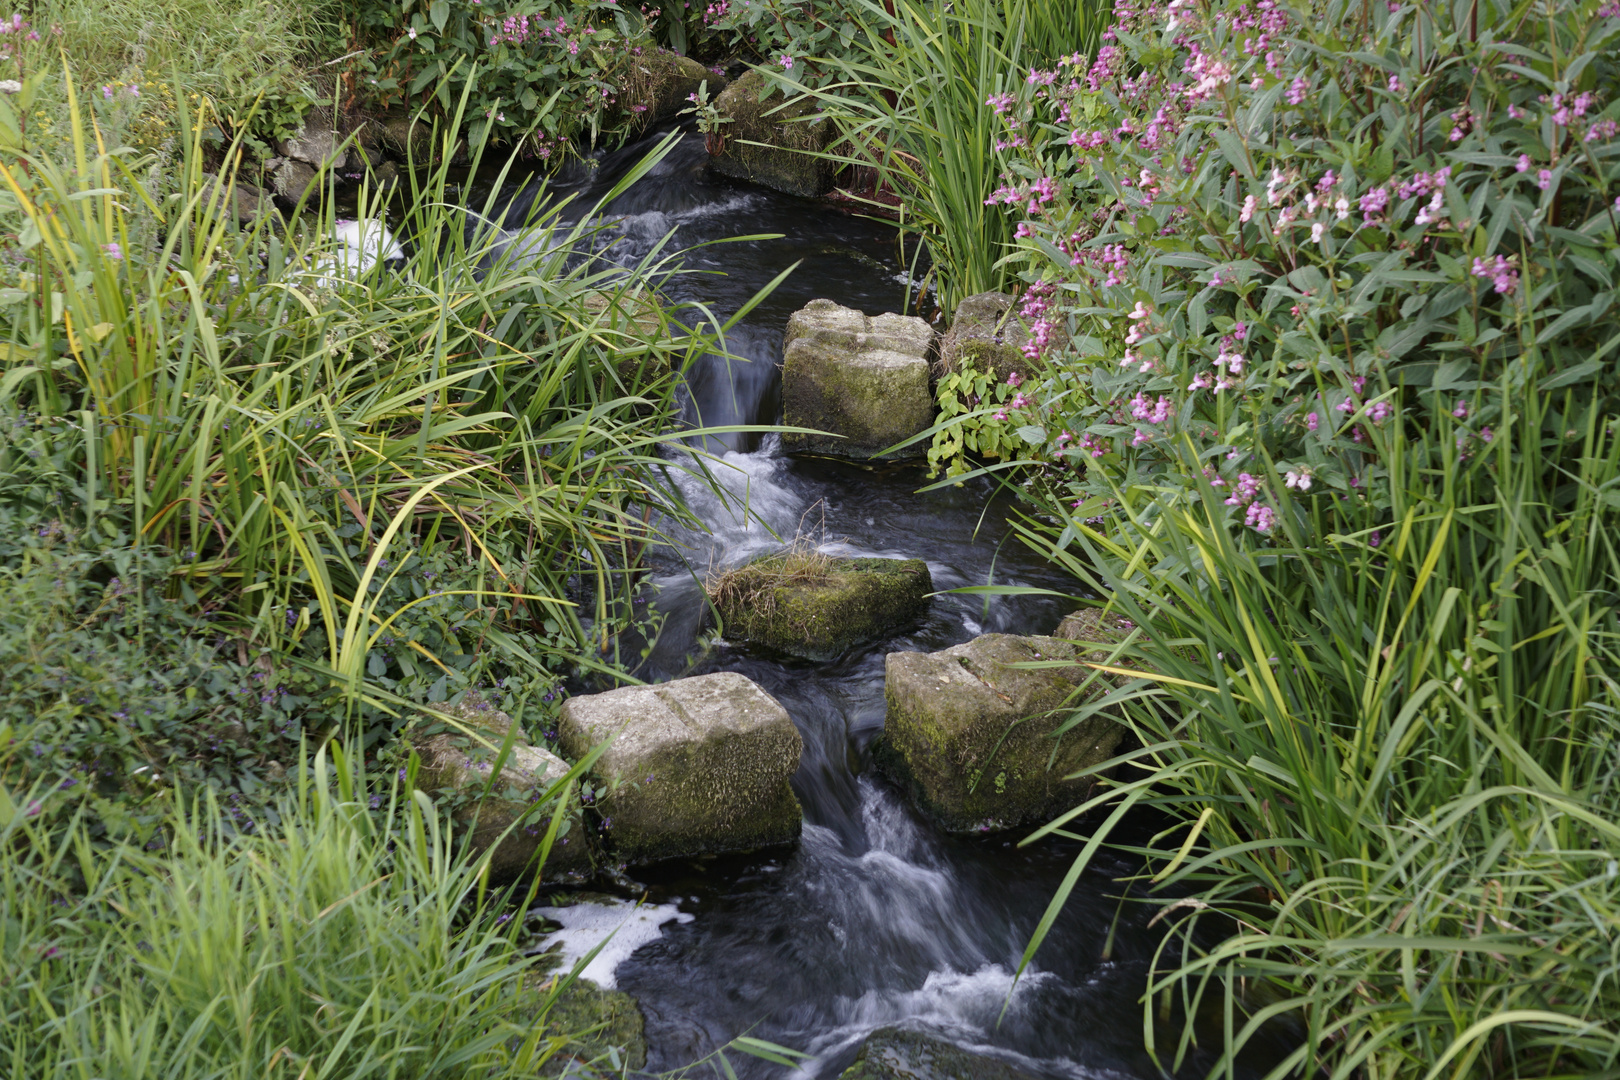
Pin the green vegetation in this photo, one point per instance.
(1336, 431)
(348, 942)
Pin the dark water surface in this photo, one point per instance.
(876, 917)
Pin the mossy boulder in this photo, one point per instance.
(773, 144)
(457, 765)
(818, 614)
(974, 736)
(987, 334)
(592, 1022)
(696, 766)
(657, 84)
(893, 1053)
(861, 379)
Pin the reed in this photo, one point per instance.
(915, 91)
(1389, 760)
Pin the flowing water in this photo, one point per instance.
(875, 917)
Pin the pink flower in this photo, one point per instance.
(786, 61)
(1504, 276)
(1249, 207)
(1461, 411)
(114, 252)
(1015, 380)
(1544, 179)
(1523, 164)
(1312, 421)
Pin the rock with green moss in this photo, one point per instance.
(790, 135)
(695, 766)
(861, 379)
(987, 334)
(973, 734)
(458, 761)
(817, 606)
(658, 83)
(901, 1054)
(595, 1025)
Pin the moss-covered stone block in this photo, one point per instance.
(900, 1054)
(773, 144)
(987, 334)
(973, 734)
(861, 379)
(658, 82)
(457, 767)
(696, 766)
(818, 615)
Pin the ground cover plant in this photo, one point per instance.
(1334, 426)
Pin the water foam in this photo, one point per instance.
(584, 926)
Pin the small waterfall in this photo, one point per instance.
(875, 918)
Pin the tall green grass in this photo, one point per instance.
(348, 942)
(225, 393)
(1389, 754)
(914, 99)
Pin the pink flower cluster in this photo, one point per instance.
(1501, 272)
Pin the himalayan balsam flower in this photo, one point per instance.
(1312, 420)
(1544, 179)
(1523, 164)
(114, 252)
(1298, 478)
(411, 33)
(1501, 272)
(786, 61)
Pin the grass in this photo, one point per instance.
(350, 941)
(1389, 763)
(752, 587)
(915, 106)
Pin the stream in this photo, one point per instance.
(876, 917)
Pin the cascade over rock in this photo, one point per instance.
(696, 766)
(863, 379)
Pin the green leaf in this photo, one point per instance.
(439, 13)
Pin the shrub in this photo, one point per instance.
(1336, 430)
(534, 75)
(1276, 258)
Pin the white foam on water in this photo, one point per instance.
(584, 926)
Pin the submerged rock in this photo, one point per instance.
(457, 768)
(817, 606)
(696, 766)
(863, 379)
(893, 1053)
(971, 735)
(988, 335)
(786, 161)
